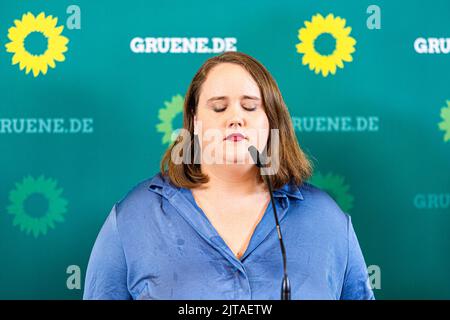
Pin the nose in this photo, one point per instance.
(236, 118)
(235, 122)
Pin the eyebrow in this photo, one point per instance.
(245, 97)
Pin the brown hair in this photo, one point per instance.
(293, 164)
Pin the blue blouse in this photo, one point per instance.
(157, 243)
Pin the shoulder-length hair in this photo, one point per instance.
(293, 164)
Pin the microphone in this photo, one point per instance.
(285, 285)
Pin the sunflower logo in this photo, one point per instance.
(44, 27)
(167, 116)
(445, 124)
(56, 207)
(329, 29)
(336, 187)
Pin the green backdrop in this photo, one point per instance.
(377, 130)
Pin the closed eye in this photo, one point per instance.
(219, 109)
(222, 109)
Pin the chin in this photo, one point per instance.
(236, 153)
(236, 158)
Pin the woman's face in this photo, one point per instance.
(230, 103)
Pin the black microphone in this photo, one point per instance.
(285, 286)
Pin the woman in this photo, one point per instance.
(203, 227)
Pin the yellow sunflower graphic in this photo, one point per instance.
(56, 43)
(343, 47)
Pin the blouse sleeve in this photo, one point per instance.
(356, 285)
(106, 275)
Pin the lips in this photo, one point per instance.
(235, 137)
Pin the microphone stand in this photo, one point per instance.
(285, 285)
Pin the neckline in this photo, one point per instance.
(256, 227)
